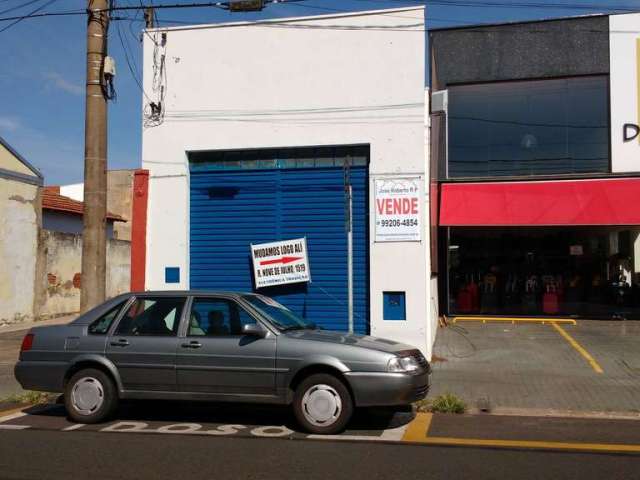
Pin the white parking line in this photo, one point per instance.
(389, 435)
(12, 416)
(73, 427)
(13, 427)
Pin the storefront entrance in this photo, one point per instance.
(591, 272)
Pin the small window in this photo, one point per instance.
(152, 316)
(217, 318)
(102, 324)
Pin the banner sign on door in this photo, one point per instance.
(397, 203)
(279, 263)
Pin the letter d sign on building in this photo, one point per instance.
(397, 204)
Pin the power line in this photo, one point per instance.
(18, 7)
(487, 3)
(45, 14)
(28, 15)
(128, 61)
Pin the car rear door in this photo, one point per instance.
(143, 344)
(215, 357)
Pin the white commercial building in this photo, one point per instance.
(288, 129)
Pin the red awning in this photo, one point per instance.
(570, 202)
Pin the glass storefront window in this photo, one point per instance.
(541, 127)
(591, 272)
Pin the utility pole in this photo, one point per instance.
(148, 17)
(94, 242)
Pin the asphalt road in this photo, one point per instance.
(9, 348)
(52, 455)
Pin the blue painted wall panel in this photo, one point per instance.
(232, 209)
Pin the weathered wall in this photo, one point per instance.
(9, 162)
(62, 253)
(69, 223)
(18, 247)
(119, 195)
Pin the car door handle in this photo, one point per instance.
(192, 344)
(120, 343)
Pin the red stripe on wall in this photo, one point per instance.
(571, 202)
(139, 229)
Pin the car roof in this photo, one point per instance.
(113, 302)
(175, 293)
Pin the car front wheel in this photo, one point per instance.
(322, 404)
(90, 396)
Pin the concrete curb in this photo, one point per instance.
(553, 413)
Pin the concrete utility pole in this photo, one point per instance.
(148, 17)
(94, 242)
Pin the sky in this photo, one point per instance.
(42, 69)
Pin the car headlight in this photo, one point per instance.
(403, 365)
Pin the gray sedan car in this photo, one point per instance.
(217, 346)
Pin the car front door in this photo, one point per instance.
(143, 344)
(215, 357)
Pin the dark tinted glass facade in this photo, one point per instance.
(590, 272)
(524, 128)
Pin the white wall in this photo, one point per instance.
(18, 250)
(281, 84)
(624, 45)
(73, 190)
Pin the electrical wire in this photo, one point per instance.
(129, 65)
(28, 15)
(45, 14)
(18, 7)
(451, 3)
(497, 4)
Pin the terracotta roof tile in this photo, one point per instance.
(52, 200)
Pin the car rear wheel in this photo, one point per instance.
(322, 404)
(90, 396)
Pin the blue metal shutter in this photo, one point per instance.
(232, 209)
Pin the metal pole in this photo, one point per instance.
(348, 193)
(94, 243)
(350, 258)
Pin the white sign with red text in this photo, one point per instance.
(279, 263)
(397, 204)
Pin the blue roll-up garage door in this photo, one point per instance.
(233, 206)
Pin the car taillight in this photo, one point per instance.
(27, 342)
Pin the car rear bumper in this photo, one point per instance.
(386, 389)
(42, 376)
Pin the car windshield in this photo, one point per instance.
(283, 318)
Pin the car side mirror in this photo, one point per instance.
(254, 330)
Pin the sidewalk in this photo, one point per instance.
(540, 369)
(10, 339)
(540, 433)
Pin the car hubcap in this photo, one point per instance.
(321, 405)
(87, 395)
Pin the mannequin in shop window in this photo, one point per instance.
(489, 295)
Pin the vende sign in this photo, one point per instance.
(397, 203)
(279, 263)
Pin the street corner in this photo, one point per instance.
(213, 421)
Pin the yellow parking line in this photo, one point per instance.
(535, 444)
(578, 347)
(569, 321)
(417, 430)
